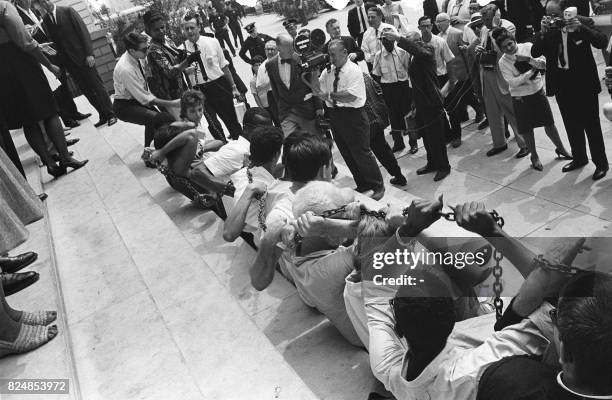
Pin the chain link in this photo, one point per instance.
(261, 200)
(204, 200)
(540, 261)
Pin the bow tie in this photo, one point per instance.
(285, 61)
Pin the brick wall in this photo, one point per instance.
(105, 60)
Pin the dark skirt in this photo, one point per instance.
(25, 95)
(532, 111)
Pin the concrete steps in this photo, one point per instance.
(148, 318)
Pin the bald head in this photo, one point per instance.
(443, 22)
(284, 43)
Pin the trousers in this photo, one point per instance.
(135, 113)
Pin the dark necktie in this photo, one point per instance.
(335, 85)
(562, 54)
(201, 64)
(362, 19)
(143, 75)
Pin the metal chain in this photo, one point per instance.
(540, 261)
(261, 199)
(204, 200)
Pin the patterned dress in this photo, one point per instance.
(166, 82)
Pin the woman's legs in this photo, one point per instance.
(529, 139)
(35, 139)
(55, 131)
(553, 135)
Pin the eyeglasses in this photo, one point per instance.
(425, 26)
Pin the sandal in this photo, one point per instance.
(39, 317)
(29, 338)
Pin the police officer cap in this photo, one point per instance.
(250, 27)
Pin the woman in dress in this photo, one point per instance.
(530, 103)
(26, 98)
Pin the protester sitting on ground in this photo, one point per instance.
(192, 110)
(444, 360)
(319, 266)
(583, 333)
(306, 157)
(256, 184)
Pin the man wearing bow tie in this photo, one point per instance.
(297, 107)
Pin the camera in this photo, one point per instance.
(555, 22)
(309, 46)
(190, 57)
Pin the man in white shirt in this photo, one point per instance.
(442, 52)
(256, 186)
(264, 90)
(416, 348)
(343, 90)
(211, 74)
(391, 65)
(133, 102)
(371, 38)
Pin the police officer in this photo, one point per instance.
(255, 44)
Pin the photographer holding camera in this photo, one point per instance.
(571, 76)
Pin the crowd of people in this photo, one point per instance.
(434, 340)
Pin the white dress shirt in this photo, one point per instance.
(456, 371)
(350, 80)
(564, 44)
(212, 58)
(262, 84)
(129, 80)
(284, 70)
(521, 84)
(442, 53)
(363, 23)
(391, 67)
(32, 16)
(370, 43)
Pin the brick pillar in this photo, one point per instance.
(105, 58)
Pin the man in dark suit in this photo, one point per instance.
(297, 107)
(526, 16)
(355, 53)
(571, 76)
(69, 33)
(67, 108)
(357, 21)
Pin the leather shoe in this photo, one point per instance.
(13, 283)
(456, 143)
(112, 121)
(101, 122)
(441, 174)
(378, 193)
(43, 196)
(72, 142)
(572, 166)
(522, 153)
(74, 164)
(10, 265)
(399, 180)
(57, 158)
(483, 124)
(398, 146)
(497, 150)
(81, 116)
(425, 170)
(71, 123)
(600, 173)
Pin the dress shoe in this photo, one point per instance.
(71, 123)
(425, 170)
(399, 180)
(72, 142)
(572, 166)
(600, 173)
(537, 165)
(480, 117)
(414, 149)
(74, 164)
(13, 283)
(57, 158)
(441, 174)
(563, 155)
(10, 265)
(112, 121)
(81, 116)
(522, 153)
(483, 124)
(150, 164)
(43, 196)
(56, 171)
(497, 150)
(456, 143)
(378, 193)
(101, 122)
